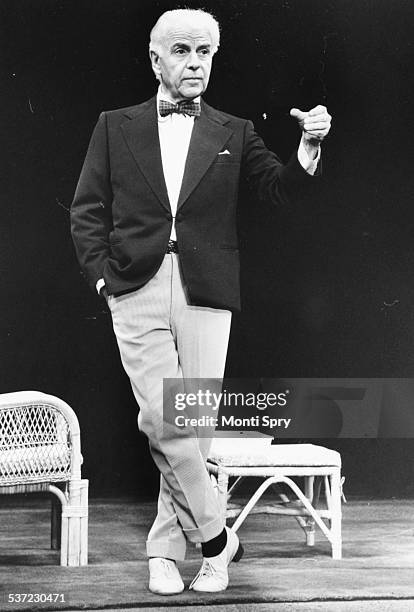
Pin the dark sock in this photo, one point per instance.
(215, 546)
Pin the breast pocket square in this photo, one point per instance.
(226, 152)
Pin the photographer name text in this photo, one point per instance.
(231, 421)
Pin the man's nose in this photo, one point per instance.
(193, 61)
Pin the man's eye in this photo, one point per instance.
(180, 51)
(204, 52)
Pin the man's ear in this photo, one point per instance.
(155, 63)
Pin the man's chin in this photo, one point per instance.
(192, 91)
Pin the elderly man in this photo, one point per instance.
(153, 222)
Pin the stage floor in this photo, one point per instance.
(278, 572)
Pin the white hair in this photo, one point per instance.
(200, 16)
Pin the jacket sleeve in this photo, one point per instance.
(267, 176)
(91, 217)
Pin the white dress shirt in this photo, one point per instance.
(174, 132)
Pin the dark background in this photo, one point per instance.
(328, 287)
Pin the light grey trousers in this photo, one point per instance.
(161, 336)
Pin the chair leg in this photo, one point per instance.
(74, 550)
(83, 554)
(55, 523)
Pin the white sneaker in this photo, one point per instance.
(165, 578)
(213, 575)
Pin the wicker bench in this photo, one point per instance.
(40, 452)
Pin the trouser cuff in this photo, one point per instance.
(166, 549)
(206, 532)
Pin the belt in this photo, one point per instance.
(172, 246)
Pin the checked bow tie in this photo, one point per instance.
(182, 108)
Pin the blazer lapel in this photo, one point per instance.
(208, 137)
(141, 135)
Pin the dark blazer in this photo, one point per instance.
(121, 218)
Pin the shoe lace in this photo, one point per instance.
(168, 567)
(206, 570)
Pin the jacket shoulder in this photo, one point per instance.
(223, 117)
(129, 111)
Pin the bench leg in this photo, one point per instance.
(336, 515)
(310, 522)
(223, 484)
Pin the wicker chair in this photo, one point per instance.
(40, 452)
(318, 466)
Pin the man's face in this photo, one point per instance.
(184, 63)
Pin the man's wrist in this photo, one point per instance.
(308, 156)
(312, 148)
